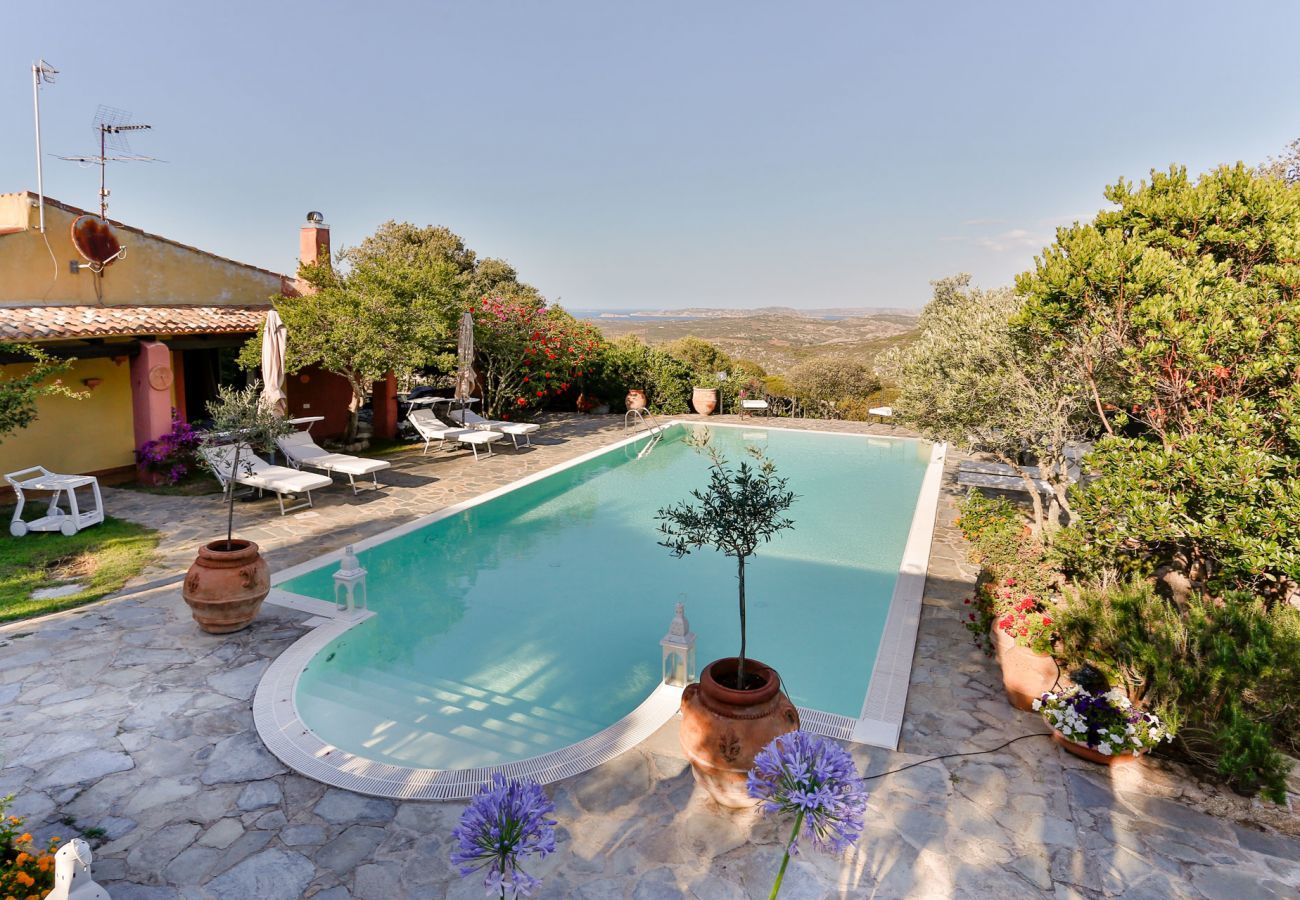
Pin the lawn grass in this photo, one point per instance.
(103, 557)
(196, 484)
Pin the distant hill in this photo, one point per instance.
(776, 341)
(706, 312)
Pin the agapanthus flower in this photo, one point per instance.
(505, 822)
(814, 779)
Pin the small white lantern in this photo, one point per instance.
(679, 650)
(347, 580)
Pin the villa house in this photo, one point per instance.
(158, 330)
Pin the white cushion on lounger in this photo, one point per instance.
(300, 448)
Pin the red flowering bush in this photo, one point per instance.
(528, 352)
(1016, 594)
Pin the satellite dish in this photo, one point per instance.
(95, 240)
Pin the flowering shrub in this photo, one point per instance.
(528, 353)
(26, 873)
(1108, 723)
(505, 821)
(169, 457)
(1017, 594)
(814, 780)
(1014, 611)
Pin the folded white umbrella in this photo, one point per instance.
(274, 337)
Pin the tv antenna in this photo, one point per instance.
(111, 126)
(42, 73)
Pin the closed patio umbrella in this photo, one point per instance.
(274, 336)
(465, 363)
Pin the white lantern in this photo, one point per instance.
(679, 650)
(347, 580)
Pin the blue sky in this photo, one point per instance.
(663, 154)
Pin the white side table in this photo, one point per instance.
(38, 478)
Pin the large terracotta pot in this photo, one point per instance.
(1083, 751)
(1026, 675)
(723, 728)
(636, 399)
(225, 588)
(704, 400)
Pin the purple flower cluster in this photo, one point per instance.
(504, 822)
(815, 780)
(1108, 723)
(170, 456)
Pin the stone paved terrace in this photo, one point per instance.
(125, 718)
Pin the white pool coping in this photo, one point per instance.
(287, 736)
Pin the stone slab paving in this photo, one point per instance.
(123, 717)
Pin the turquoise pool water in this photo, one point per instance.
(532, 621)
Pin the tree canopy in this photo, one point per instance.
(969, 381)
(20, 392)
(1181, 309)
(382, 315)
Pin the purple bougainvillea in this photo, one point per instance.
(504, 823)
(169, 457)
(813, 780)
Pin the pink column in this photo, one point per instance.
(151, 392)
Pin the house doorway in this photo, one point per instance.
(202, 371)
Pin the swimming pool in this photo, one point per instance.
(530, 622)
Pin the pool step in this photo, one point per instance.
(448, 691)
(403, 723)
(422, 709)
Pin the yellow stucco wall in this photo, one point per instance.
(86, 435)
(154, 272)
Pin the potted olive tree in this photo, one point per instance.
(229, 579)
(737, 707)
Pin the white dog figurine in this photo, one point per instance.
(72, 879)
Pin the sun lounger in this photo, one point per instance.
(969, 479)
(431, 428)
(478, 438)
(254, 472)
(302, 451)
(516, 430)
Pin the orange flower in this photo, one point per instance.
(21, 859)
(24, 838)
(24, 879)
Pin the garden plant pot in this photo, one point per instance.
(704, 400)
(1026, 675)
(723, 729)
(1083, 751)
(636, 399)
(225, 588)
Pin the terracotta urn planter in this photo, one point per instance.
(704, 400)
(636, 399)
(1083, 751)
(1026, 675)
(723, 728)
(225, 587)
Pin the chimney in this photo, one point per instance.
(314, 240)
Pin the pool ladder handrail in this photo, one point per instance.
(654, 429)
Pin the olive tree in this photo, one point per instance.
(740, 509)
(969, 381)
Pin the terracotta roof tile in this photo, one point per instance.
(18, 323)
